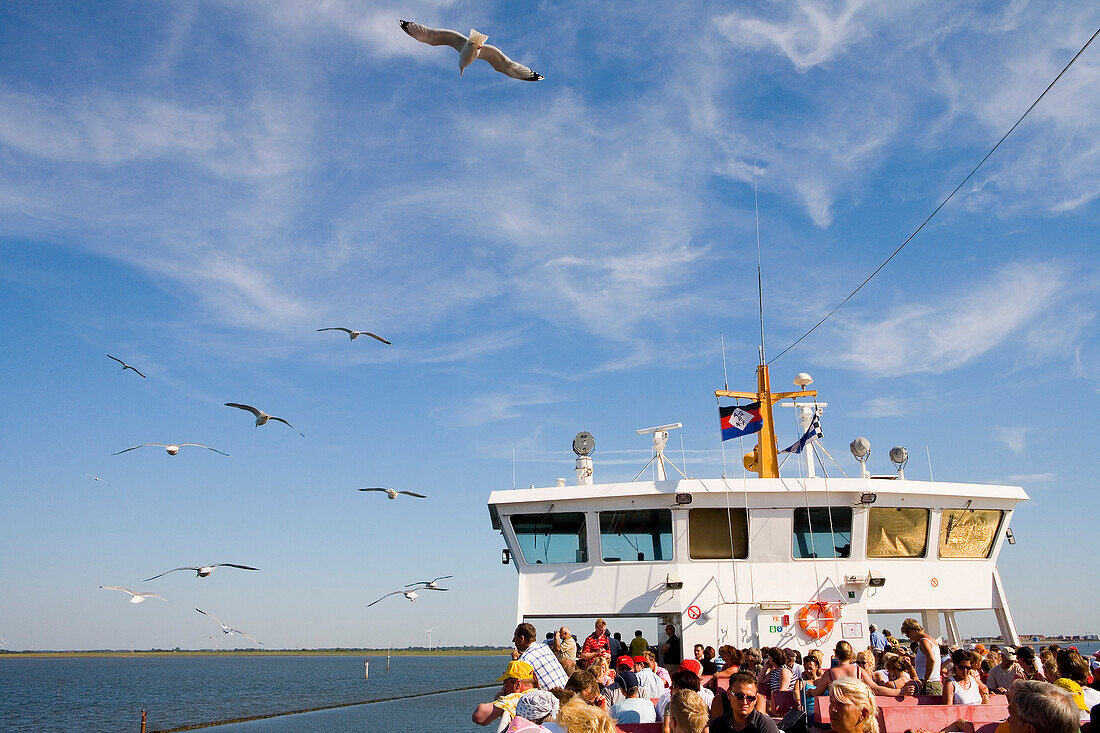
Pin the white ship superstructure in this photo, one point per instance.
(760, 561)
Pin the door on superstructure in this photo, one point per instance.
(734, 626)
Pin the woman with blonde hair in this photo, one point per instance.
(577, 716)
(687, 713)
(852, 707)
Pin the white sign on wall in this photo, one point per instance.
(852, 630)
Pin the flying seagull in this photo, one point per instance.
(410, 594)
(261, 416)
(172, 448)
(97, 478)
(136, 597)
(470, 49)
(355, 334)
(392, 493)
(227, 629)
(430, 584)
(126, 366)
(204, 570)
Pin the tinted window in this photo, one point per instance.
(636, 535)
(718, 534)
(968, 532)
(546, 538)
(821, 533)
(897, 532)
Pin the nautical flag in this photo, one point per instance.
(740, 420)
(812, 433)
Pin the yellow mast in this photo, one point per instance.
(765, 462)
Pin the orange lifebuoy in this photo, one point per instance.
(823, 612)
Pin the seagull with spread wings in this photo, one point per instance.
(470, 49)
(126, 366)
(171, 448)
(135, 597)
(355, 334)
(203, 571)
(430, 584)
(227, 629)
(410, 594)
(392, 493)
(261, 416)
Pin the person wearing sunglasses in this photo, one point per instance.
(743, 716)
(964, 687)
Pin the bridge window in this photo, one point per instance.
(969, 532)
(633, 536)
(897, 532)
(823, 532)
(546, 539)
(718, 534)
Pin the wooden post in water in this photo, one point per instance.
(143, 720)
(387, 660)
(366, 668)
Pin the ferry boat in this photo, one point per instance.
(767, 560)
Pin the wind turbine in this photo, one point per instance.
(429, 630)
(3, 642)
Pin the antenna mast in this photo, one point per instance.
(759, 276)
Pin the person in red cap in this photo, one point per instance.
(650, 684)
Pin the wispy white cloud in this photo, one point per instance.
(1024, 479)
(948, 331)
(886, 407)
(497, 407)
(1014, 438)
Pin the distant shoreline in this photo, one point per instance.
(260, 653)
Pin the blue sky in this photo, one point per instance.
(196, 188)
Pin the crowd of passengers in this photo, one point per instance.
(566, 685)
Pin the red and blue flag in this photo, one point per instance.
(740, 420)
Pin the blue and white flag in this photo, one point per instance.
(812, 433)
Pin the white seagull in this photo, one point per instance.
(261, 416)
(203, 571)
(470, 49)
(136, 597)
(126, 366)
(97, 478)
(430, 584)
(227, 629)
(356, 334)
(410, 594)
(172, 448)
(392, 493)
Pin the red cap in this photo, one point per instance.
(693, 666)
(624, 661)
(640, 660)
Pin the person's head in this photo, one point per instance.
(524, 636)
(623, 663)
(687, 713)
(1040, 707)
(852, 706)
(912, 628)
(726, 652)
(698, 650)
(637, 633)
(628, 683)
(693, 667)
(537, 706)
(564, 632)
(843, 652)
(518, 676)
(964, 661)
(866, 660)
(650, 659)
(1008, 657)
(578, 717)
(817, 656)
(1026, 655)
(895, 666)
(709, 653)
(600, 666)
(1073, 666)
(742, 696)
(777, 656)
(685, 679)
(670, 630)
(873, 628)
(601, 626)
(811, 665)
(1050, 666)
(618, 636)
(584, 685)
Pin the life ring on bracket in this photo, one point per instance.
(824, 612)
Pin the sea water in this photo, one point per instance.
(109, 693)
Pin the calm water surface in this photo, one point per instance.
(108, 694)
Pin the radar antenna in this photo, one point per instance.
(660, 440)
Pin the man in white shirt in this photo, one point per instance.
(1001, 677)
(648, 682)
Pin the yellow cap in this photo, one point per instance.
(519, 671)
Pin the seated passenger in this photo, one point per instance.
(632, 709)
(743, 717)
(687, 713)
(964, 687)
